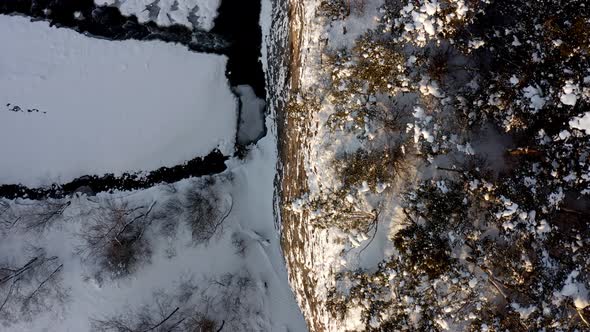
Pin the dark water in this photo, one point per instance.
(236, 34)
(211, 164)
(238, 23)
(108, 23)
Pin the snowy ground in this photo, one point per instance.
(191, 13)
(245, 190)
(107, 106)
(72, 105)
(251, 115)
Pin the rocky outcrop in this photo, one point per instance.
(293, 131)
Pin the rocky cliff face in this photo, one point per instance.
(284, 84)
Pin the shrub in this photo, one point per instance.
(374, 67)
(114, 237)
(372, 167)
(333, 9)
(205, 214)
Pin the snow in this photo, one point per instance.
(443, 324)
(524, 312)
(342, 33)
(564, 134)
(556, 197)
(557, 42)
(516, 42)
(430, 7)
(476, 43)
(442, 186)
(428, 87)
(248, 184)
(181, 100)
(198, 14)
(191, 91)
(569, 94)
(105, 106)
(254, 190)
(575, 290)
(535, 95)
(251, 116)
(510, 206)
(543, 227)
(429, 27)
(462, 9)
(466, 148)
(582, 122)
(427, 21)
(421, 120)
(354, 319)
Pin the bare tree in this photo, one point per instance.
(4, 207)
(145, 321)
(205, 213)
(44, 214)
(201, 323)
(33, 286)
(114, 237)
(239, 243)
(225, 303)
(167, 216)
(37, 216)
(7, 216)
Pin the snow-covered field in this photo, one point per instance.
(191, 13)
(72, 105)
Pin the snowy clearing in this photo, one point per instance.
(191, 13)
(72, 105)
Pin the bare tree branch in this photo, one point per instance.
(163, 321)
(9, 294)
(43, 283)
